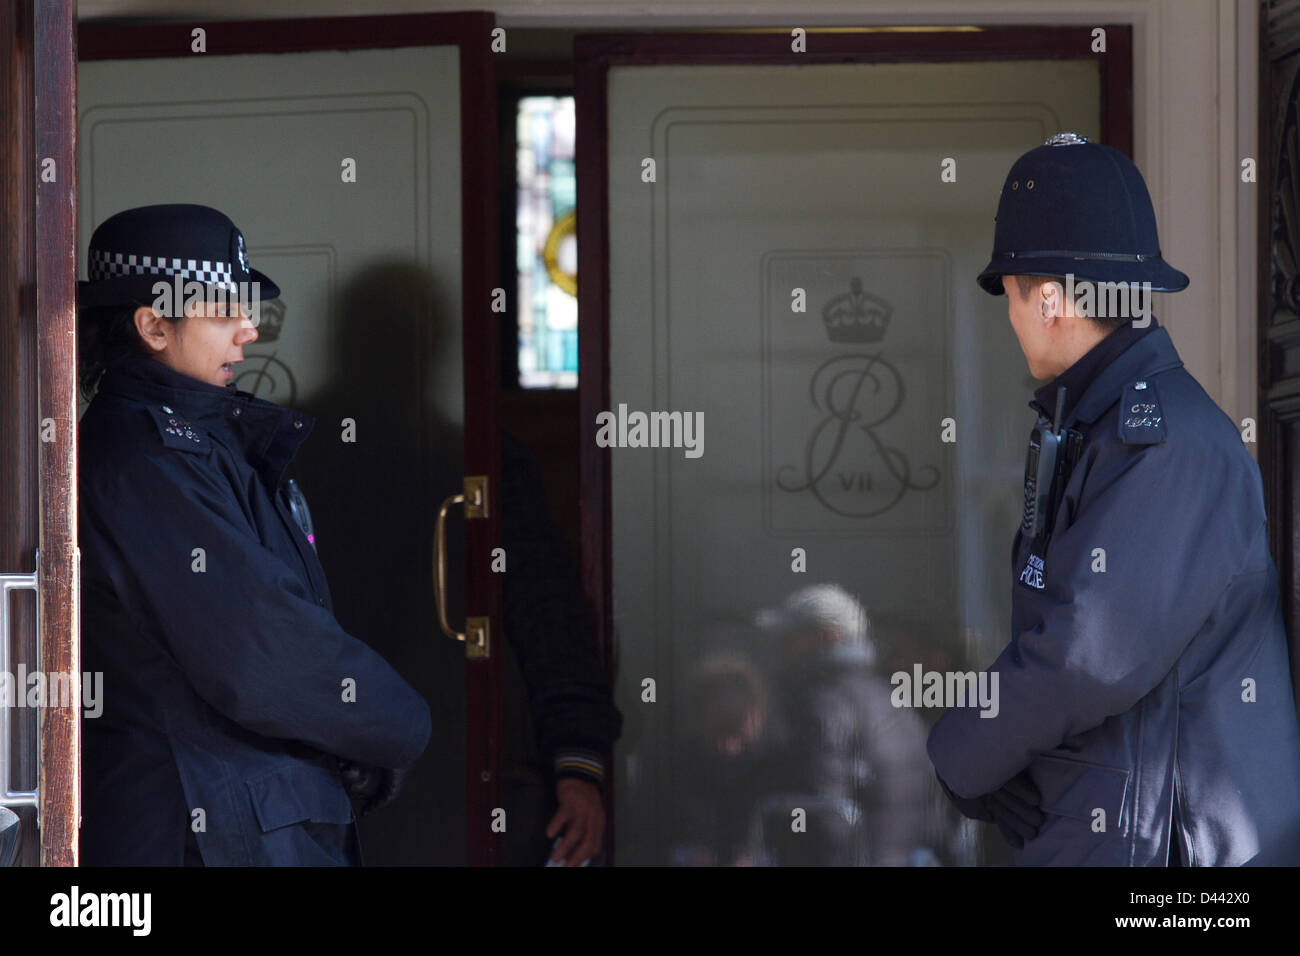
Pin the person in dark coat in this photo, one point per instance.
(571, 722)
(238, 717)
(1145, 710)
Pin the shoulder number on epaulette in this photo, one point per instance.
(178, 432)
(1141, 419)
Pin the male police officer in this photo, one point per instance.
(1146, 714)
(232, 692)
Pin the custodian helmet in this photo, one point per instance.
(1074, 207)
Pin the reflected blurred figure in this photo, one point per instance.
(726, 763)
(841, 740)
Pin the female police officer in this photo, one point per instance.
(233, 699)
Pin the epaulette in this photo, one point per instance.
(177, 432)
(1141, 419)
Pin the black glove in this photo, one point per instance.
(389, 785)
(374, 787)
(361, 781)
(1013, 808)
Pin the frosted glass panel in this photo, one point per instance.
(801, 275)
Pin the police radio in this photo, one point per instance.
(1046, 470)
(298, 508)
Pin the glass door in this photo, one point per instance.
(816, 426)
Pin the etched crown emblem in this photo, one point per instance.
(856, 315)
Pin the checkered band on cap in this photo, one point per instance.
(112, 265)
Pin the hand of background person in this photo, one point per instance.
(581, 815)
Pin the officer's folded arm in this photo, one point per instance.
(248, 636)
(1102, 640)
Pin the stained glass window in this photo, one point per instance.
(547, 244)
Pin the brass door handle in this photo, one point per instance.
(475, 637)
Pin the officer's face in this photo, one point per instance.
(205, 344)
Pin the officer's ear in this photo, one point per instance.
(1051, 299)
(151, 327)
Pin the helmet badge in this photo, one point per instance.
(1066, 139)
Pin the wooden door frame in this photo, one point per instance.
(595, 53)
(471, 33)
(38, 249)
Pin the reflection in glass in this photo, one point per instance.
(792, 753)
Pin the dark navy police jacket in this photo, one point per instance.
(1146, 688)
(229, 688)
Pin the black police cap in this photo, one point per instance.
(137, 248)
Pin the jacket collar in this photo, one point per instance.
(139, 377)
(269, 434)
(1145, 354)
(1075, 380)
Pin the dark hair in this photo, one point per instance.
(1025, 285)
(105, 336)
